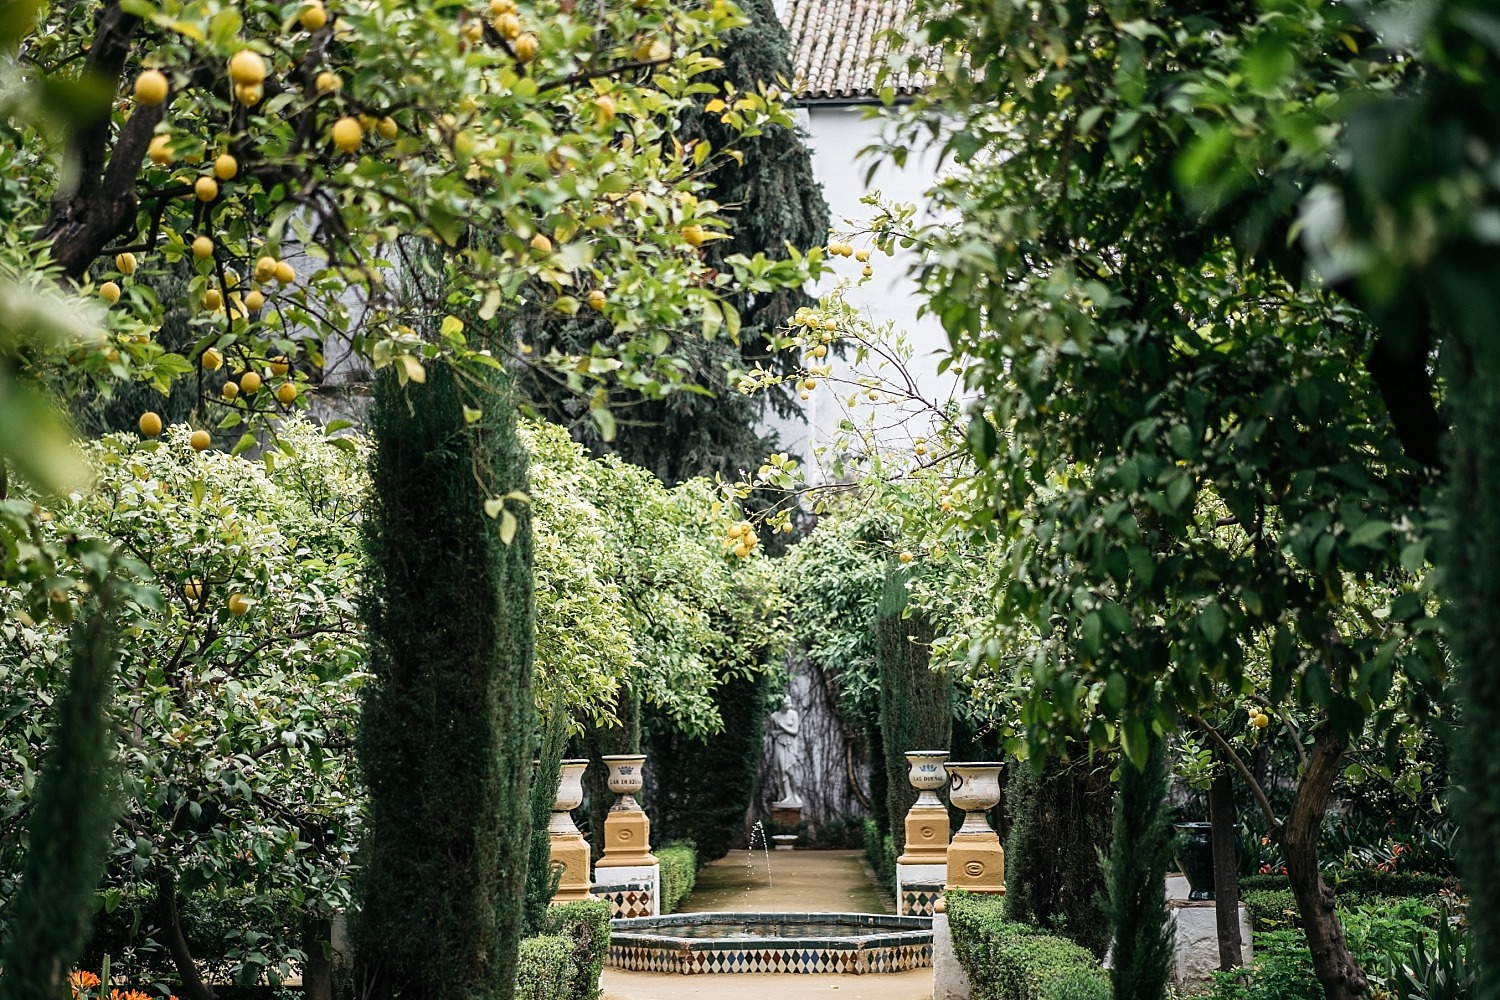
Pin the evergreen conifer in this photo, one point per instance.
(70, 822)
(916, 702)
(1138, 861)
(445, 741)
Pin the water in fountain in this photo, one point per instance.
(759, 831)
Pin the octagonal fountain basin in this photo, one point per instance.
(849, 943)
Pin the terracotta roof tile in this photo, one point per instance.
(839, 46)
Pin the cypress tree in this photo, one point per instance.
(1137, 871)
(541, 878)
(916, 702)
(71, 821)
(445, 740)
(702, 787)
(1472, 570)
(1060, 824)
(772, 198)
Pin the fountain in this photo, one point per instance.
(848, 943)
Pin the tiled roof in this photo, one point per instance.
(839, 46)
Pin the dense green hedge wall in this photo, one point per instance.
(585, 925)
(880, 851)
(545, 969)
(1011, 961)
(679, 870)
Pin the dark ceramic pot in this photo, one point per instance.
(1195, 857)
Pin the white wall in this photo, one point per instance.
(836, 135)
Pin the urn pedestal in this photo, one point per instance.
(627, 831)
(569, 849)
(976, 861)
(922, 869)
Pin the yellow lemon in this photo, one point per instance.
(200, 440)
(280, 365)
(206, 189)
(249, 94)
(508, 25)
(694, 235)
(597, 300)
(265, 269)
(160, 150)
(313, 16)
(285, 273)
(247, 68)
(226, 166)
(250, 382)
(328, 83)
(286, 393)
(109, 292)
(348, 134)
(203, 248)
(151, 88)
(905, 557)
(193, 589)
(541, 244)
(213, 359)
(125, 263)
(150, 424)
(255, 300)
(386, 127)
(230, 390)
(239, 604)
(526, 47)
(213, 300)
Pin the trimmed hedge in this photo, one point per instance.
(679, 870)
(880, 851)
(545, 969)
(1273, 907)
(584, 924)
(1011, 961)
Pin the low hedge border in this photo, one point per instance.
(545, 970)
(584, 924)
(1013, 961)
(679, 870)
(1273, 907)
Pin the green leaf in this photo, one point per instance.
(1211, 622)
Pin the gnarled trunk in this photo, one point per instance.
(1226, 876)
(1341, 976)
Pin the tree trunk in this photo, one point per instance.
(1226, 874)
(317, 970)
(193, 986)
(1336, 969)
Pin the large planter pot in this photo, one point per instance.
(976, 861)
(626, 777)
(627, 830)
(927, 819)
(1195, 857)
(568, 848)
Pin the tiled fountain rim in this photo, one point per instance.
(656, 931)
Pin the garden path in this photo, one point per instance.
(800, 882)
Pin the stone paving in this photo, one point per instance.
(799, 882)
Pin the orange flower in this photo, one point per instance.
(81, 981)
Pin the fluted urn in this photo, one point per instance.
(976, 861)
(569, 849)
(927, 819)
(627, 829)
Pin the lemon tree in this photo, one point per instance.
(239, 667)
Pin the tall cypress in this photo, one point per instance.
(445, 737)
(1472, 573)
(916, 702)
(1137, 871)
(1060, 824)
(71, 820)
(542, 876)
(771, 199)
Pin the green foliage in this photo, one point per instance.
(1060, 827)
(240, 670)
(1014, 961)
(880, 851)
(71, 819)
(541, 879)
(445, 738)
(585, 924)
(544, 968)
(1138, 861)
(916, 701)
(703, 784)
(679, 870)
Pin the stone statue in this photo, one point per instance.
(787, 758)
